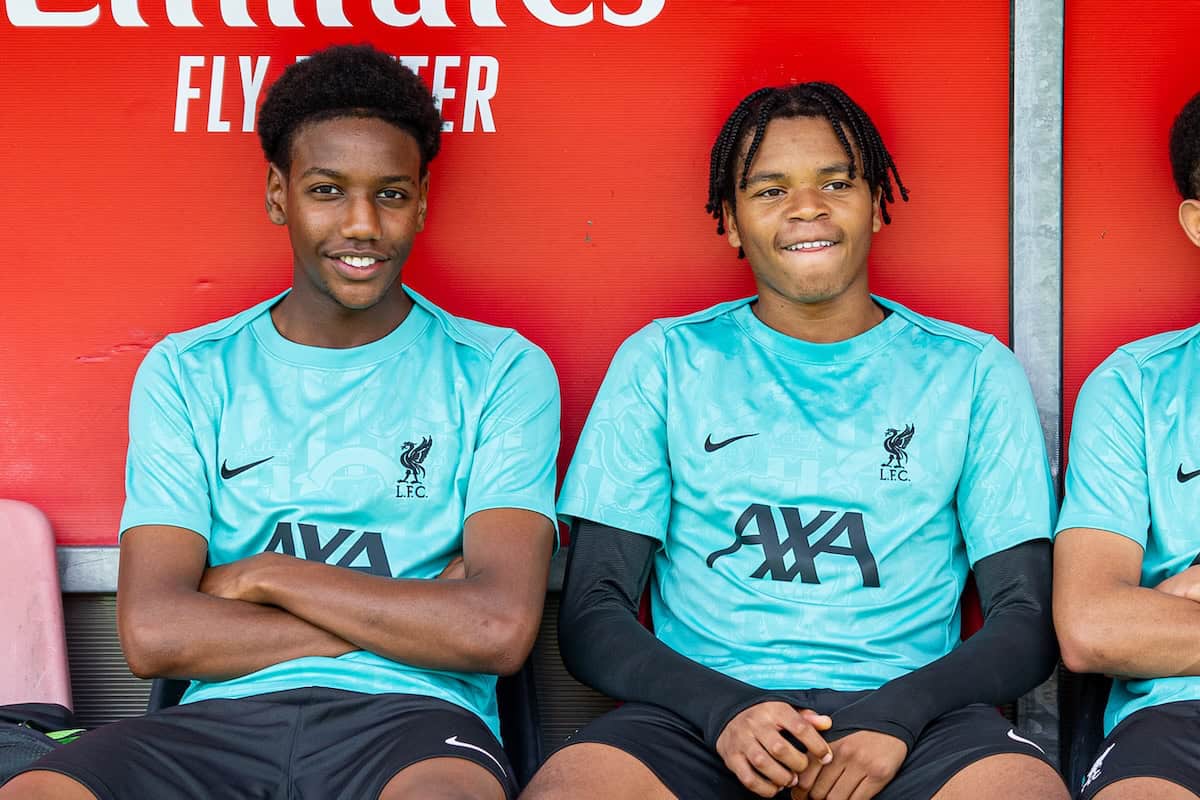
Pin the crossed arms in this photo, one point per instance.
(179, 619)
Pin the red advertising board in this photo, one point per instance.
(567, 202)
(1128, 270)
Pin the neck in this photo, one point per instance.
(320, 321)
(822, 322)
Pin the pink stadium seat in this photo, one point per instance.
(33, 648)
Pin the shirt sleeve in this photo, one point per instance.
(165, 478)
(620, 475)
(1107, 487)
(514, 460)
(1005, 493)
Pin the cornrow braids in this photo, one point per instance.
(749, 121)
(1185, 150)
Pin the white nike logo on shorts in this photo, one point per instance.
(1012, 734)
(453, 740)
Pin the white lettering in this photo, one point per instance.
(180, 13)
(216, 88)
(235, 14)
(125, 13)
(415, 63)
(26, 14)
(482, 74)
(254, 73)
(283, 14)
(331, 15)
(185, 90)
(431, 12)
(646, 12)
(545, 11)
(483, 13)
(439, 90)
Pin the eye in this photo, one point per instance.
(838, 186)
(325, 188)
(393, 194)
(773, 191)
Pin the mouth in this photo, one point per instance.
(357, 265)
(806, 247)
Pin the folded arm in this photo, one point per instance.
(483, 622)
(1108, 623)
(171, 629)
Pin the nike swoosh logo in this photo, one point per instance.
(1013, 735)
(711, 447)
(453, 740)
(228, 473)
(1184, 477)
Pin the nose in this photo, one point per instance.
(807, 204)
(361, 218)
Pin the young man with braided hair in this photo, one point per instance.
(1127, 584)
(339, 508)
(808, 475)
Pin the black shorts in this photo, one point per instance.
(676, 753)
(313, 743)
(1158, 742)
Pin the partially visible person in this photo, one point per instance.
(1126, 574)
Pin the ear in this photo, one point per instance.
(276, 195)
(1189, 218)
(731, 228)
(423, 202)
(876, 215)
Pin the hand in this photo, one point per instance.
(1186, 584)
(863, 763)
(238, 580)
(754, 749)
(456, 570)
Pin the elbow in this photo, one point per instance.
(1085, 645)
(506, 645)
(146, 644)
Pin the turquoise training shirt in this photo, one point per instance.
(1133, 458)
(369, 458)
(818, 505)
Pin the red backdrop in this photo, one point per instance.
(1128, 270)
(577, 219)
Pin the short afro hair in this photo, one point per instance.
(1185, 150)
(347, 81)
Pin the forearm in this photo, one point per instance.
(456, 625)
(1132, 632)
(604, 645)
(195, 636)
(1013, 652)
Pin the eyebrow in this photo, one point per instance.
(842, 168)
(335, 175)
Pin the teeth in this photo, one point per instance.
(809, 245)
(361, 262)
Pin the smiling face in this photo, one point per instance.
(803, 222)
(353, 201)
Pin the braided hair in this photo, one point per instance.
(815, 99)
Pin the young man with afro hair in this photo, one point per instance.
(1126, 569)
(808, 475)
(339, 502)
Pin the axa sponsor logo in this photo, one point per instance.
(332, 14)
(359, 550)
(838, 533)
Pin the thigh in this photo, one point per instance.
(1160, 743)
(1004, 776)
(354, 745)
(44, 785)
(1144, 789)
(443, 779)
(637, 751)
(957, 741)
(208, 750)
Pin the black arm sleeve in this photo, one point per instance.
(604, 645)
(1013, 652)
